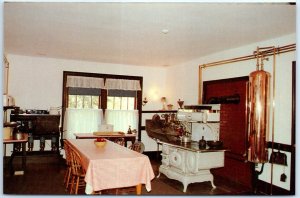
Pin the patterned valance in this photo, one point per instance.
(122, 84)
(85, 82)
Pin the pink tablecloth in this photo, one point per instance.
(113, 166)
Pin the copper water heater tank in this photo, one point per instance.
(259, 94)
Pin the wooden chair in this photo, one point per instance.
(137, 146)
(67, 178)
(120, 141)
(78, 172)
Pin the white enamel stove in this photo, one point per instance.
(189, 164)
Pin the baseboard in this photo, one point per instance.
(266, 188)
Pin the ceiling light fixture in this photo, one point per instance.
(165, 31)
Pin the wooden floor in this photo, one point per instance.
(44, 176)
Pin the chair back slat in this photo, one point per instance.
(120, 141)
(137, 146)
(67, 152)
(76, 163)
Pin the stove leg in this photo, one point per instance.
(185, 187)
(158, 175)
(212, 183)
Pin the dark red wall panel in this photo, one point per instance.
(233, 127)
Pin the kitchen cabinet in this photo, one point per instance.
(40, 127)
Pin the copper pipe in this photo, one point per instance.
(279, 50)
(200, 96)
(273, 112)
(257, 58)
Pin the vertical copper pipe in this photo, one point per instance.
(273, 112)
(200, 96)
(259, 116)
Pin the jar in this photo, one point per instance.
(202, 143)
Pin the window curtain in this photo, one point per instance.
(85, 82)
(122, 119)
(122, 84)
(81, 121)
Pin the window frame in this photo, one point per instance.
(103, 96)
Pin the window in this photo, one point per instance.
(120, 103)
(115, 99)
(85, 101)
(84, 98)
(121, 99)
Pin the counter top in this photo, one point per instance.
(192, 146)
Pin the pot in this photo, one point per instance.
(214, 144)
(18, 136)
(185, 139)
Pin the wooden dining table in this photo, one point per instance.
(113, 166)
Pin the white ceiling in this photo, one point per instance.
(131, 33)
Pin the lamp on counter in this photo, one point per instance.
(145, 101)
(180, 103)
(163, 100)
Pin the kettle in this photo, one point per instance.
(17, 135)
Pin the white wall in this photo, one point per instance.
(36, 83)
(183, 83)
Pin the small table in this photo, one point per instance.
(113, 166)
(127, 137)
(14, 153)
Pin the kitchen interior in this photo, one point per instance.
(210, 96)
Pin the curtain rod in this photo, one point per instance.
(269, 52)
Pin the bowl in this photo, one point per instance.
(100, 144)
(214, 144)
